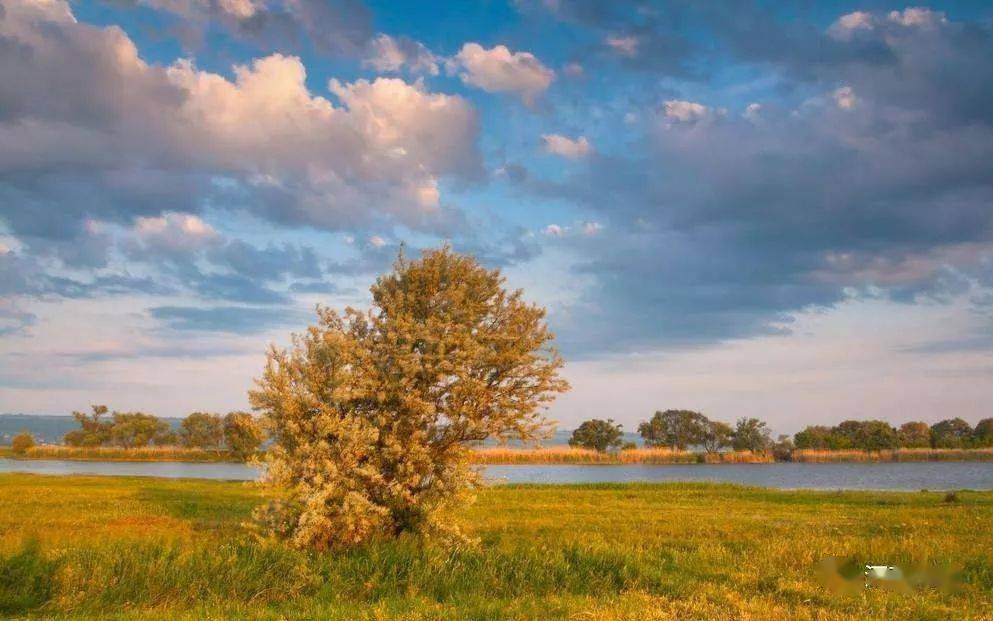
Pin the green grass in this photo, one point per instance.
(134, 548)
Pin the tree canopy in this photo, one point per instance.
(676, 429)
(372, 413)
(598, 435)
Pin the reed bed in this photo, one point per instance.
(811, 456)
(579, 456)
(114, 453)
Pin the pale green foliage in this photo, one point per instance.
(372, 414)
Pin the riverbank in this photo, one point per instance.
(126, 548)
(897, 455)
(114, 453)
(536, 456)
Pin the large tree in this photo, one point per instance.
(243, 435)
(676, 429)
(598, 435)
(982, 435)
(137, 429)
(93, 430)
(751, 434)
(372, 413)
(201, 430)
(914, 434)
(716, 435)
(951, 433)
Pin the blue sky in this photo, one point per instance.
(772, 209)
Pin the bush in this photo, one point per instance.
(22, 442)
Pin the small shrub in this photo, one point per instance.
(951, 497)
(22, 442)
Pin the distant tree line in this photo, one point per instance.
(237, 432)
(878, 435)
(682, 429)
(679, 430)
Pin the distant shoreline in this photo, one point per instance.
(534, 456)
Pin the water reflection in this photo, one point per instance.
(868, 476)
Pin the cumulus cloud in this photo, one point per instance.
(845, 26)
(684, 111)
(387, 54)
(498, 70)
(174, 232)
(572, 148)
(108, 136)
(844, 97)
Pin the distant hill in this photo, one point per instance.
(50, 429)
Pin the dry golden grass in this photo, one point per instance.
(569, 455)
(114, 453)
(141, 548)
(905, 454)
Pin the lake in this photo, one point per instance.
(867, 476)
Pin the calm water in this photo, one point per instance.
(903, 476)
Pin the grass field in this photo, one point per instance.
(131, 548)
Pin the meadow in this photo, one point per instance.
(133, 548)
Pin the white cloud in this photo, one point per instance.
(573, 70)
(86, 100)
(498, 70)
(844, 97)
(623, 45)
(554, 230)
(390, 55)
(239, 9)
(592, 228)
(684, 111)
(173, 233)
(846, 25)
(753, 111)
(917, 17)
(566, 147)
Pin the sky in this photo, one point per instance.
(771, 209)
